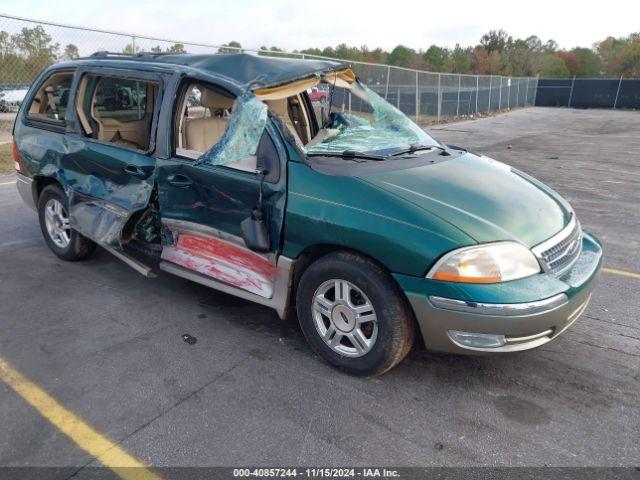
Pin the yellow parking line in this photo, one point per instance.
(84, 436)
(8, 183)
(622, 272)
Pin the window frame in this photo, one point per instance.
(51, 124)
(180, 98)
(124, 73)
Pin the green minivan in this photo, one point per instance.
(222, 170)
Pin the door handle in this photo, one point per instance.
(179, 180)
(135, 171)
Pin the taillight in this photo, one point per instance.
(16, 157)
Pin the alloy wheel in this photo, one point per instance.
(344, 318)
(57, 222)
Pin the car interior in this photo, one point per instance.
(206, 112)
(117, 110)
(50, 101)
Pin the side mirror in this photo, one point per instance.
(254, 231)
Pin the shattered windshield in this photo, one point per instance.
(378, 126)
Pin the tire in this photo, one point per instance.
(66, 243)
(388, 329)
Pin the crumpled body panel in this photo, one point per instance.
(97, 219)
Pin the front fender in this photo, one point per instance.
(350, 213)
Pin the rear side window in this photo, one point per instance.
(121, 99)
(117, 110)
(51, 100)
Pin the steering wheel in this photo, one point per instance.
(335, 120)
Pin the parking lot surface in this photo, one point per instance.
(107, 344)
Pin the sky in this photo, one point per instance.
(295, 24)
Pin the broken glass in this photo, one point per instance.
(242, 136)
(379, 127)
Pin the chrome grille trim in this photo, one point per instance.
(560, 252)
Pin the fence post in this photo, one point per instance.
(573, 81)
(477, 92)
(490, 82)
(439, 96)
(386, 88)
(509, 93)
(133, 44)
(458, 102)
(535, 92)
(615, 103)
(417, 99)
(526, 94)
(518, 93)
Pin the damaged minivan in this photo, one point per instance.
(222, 170)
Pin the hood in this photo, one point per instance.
(484, 198)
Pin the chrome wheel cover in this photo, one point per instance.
(344, 318)
(57, 222)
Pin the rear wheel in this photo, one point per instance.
(353, 314)
(53, 212)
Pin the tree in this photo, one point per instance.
(629, 55)
(495, 40)
(435, 57)
(552, 66)
(480, 60)
(571, 60)
(131, 49)
(231, 47)
(401, 56)
(70, 52)
(176, 48)
(458, 61)
(590, 64)
(35, 43)
(494, 63)
(6, 45)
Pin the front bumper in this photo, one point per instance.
(518, 315)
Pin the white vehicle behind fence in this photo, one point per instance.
(11, 99)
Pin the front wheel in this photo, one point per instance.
(53, 212)
(354, 315)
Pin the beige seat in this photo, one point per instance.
(200, 134)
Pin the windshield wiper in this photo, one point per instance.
(349, 154)
(416, 147)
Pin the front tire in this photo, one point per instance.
(53, 213)
(354, 315)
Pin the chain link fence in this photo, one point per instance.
(28, 46)
(574, 92)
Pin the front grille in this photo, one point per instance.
(560, 252)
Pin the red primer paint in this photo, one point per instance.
(223, 261)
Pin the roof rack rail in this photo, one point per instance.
(106, 54)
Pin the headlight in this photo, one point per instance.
(489, 263)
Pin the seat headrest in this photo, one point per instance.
(211, 99)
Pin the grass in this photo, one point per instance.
(6, 159)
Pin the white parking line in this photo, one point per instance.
(8, 183)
